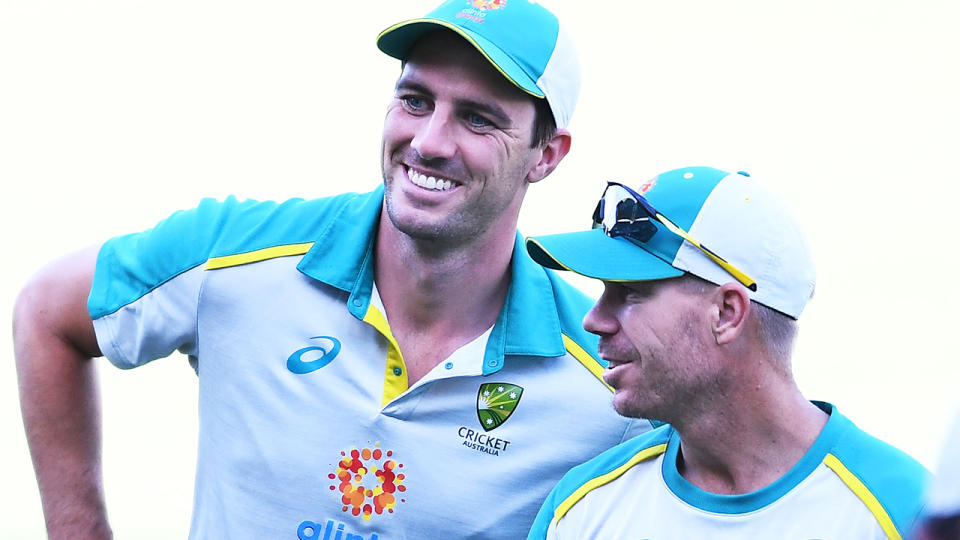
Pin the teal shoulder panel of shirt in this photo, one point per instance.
(604, 468)
(898, 481)
(130, 266)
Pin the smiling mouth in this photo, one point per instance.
(429, 182)
(611, 364)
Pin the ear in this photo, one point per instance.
(733, 310)
(550, 156)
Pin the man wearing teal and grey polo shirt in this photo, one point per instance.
(705, 274)
(371, 366)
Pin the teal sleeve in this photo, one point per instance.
(542, 523)
(131, 266)
(898, 481)
(580, 475)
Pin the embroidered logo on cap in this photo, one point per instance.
(487, 4)
(647, 186)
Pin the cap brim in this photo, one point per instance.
(596, 255)
(397, 41)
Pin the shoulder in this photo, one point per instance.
(248, 225)
(610, 465)
(615, 461)
(889, 481)
(601, 470)
(216, 228)
(130, 266)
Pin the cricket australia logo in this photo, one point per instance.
(496, 402)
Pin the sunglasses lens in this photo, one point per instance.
(598, 214)
(629, 210)
(621, 215)
(609, 209)
(641, 230)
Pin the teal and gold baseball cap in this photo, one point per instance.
(522, 39)
(719, 226)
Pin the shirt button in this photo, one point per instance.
(397, 371)
(448, 365)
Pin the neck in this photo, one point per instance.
(746, 444)
(444, 296)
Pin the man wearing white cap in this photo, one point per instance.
(371, 366)
(705, 274)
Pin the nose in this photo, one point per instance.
(433, 138)
(600, 320)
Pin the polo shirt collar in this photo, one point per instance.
(342, 257)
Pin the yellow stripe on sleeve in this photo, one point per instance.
(585, 358)
(865, 495)
(258, 255)
(593, 484)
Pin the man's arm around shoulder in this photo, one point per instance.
(54, 342)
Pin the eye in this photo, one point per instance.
(413, 103)
(637, 291)
(477, 121)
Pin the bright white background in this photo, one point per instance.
(115, 113)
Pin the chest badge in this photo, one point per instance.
(496, 402)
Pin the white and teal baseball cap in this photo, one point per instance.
(522, 39)
(719, 226)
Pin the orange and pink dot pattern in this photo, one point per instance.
(370, 481)
(488, 4)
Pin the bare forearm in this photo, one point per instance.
(61, 411)
(62, 420)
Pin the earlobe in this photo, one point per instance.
(550, 156)
(734, 308)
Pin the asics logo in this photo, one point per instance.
(328, 348)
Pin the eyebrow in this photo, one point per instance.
(645, 288)
(488, 109)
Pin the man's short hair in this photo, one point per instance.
(544, 126)
(775, 330)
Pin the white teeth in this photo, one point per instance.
(428, 182)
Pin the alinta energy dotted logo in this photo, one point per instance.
(370, 481)
(647, 186)
(487, 4)
(476, 10)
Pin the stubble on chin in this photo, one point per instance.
(428, 233)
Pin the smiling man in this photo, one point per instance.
(701, 337)
(371, 366)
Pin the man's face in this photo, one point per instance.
(456, 144)
(654, 335)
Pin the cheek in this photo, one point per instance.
(639, 325)
(397, 124)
